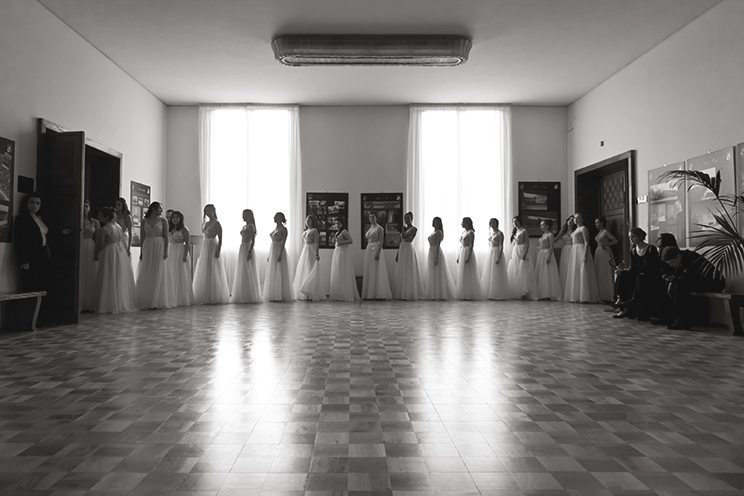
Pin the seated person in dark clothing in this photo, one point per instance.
(631, 284)
(691, 272)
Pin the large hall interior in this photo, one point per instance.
(570, 106)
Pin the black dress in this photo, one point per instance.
(30, 249)
(638, 281)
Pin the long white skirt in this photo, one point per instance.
(308, 284)
(439, 282)
(343, 282)
(375, 283)
(468, 278)
(152, 286)
(180, 291)
(495, 279)
(565, 260)
(115, 281)
(246, 286)
(581, 281)
(548, 277)
(407, 282)
(522, 281)
(88, 275)
(277, 286)
(605, 274)
(210, 280)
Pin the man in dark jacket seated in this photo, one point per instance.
(689, 272)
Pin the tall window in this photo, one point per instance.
(459, 165)
(250, 158)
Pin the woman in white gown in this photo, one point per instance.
(407, 281)
(468, 276)
(152, 287)
(605, 273)
(278, 286)
(521, 271)
(124, 219)
(308, 284)
(438, 281)
(88, 262)
(343, 282)
(564, 236)
(375, 283)
(495, 280)
(115, 282)
(210, 280)
(581, 281)
(178, 265)
(546, 268)
(246, 284)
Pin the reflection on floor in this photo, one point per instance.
(377, 398)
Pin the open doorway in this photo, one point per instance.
(69, 170)
(607, 189)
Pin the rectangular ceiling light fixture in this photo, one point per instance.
(417, 50)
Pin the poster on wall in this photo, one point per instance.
(739, 166)
(666, 205)
(332, 211)
(389, 210)
(7, 154)
(139, 203)
(539, 201)
(701, 203)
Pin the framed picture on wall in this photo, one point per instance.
(539, 201)
(7, 162)
(666, 205)
(701, 203)
(331, 211)
(139, 203)
(389, 210)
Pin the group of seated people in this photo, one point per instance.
(657, 284)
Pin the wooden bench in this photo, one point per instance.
(20, 310)
(735, 303)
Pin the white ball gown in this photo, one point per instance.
(407, 281)
(277, 286)
(565, 258)
(546, 268)
(308, 284)
(605, 273)
(375, 283)
(88, 267)
(439, 284)
(468, 277)
(495, 280)
(246, 284)
(522, 280)
(178, 269)
(115, 281)
(152, 286)
(581, 281)
(343, 281)
(210, 280)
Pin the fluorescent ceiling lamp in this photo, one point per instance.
(418, 50)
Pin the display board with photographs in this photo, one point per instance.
(138, 205)
(332, 211)
(389, 210)
(701, 203)
(739, 165)
(7, 160)
(539, 201)
(666, 205)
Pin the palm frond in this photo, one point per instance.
(693, 178)
(722, 244)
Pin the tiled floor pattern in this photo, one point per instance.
(375, 398)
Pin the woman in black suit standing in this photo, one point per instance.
(31, 247)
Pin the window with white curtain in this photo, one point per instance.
(250, 158)
(459, 165)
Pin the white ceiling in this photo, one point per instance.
(525, 52)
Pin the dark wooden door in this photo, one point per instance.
(60, 176)
(614, 207)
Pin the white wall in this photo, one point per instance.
(49, 71)
(676, 102)
(362, 149)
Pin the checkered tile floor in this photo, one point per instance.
(373, 398)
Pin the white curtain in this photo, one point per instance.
(459, 165)
(250, 158)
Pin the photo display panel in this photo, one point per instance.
(331, 210)
(389, 210)
(139, 203)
